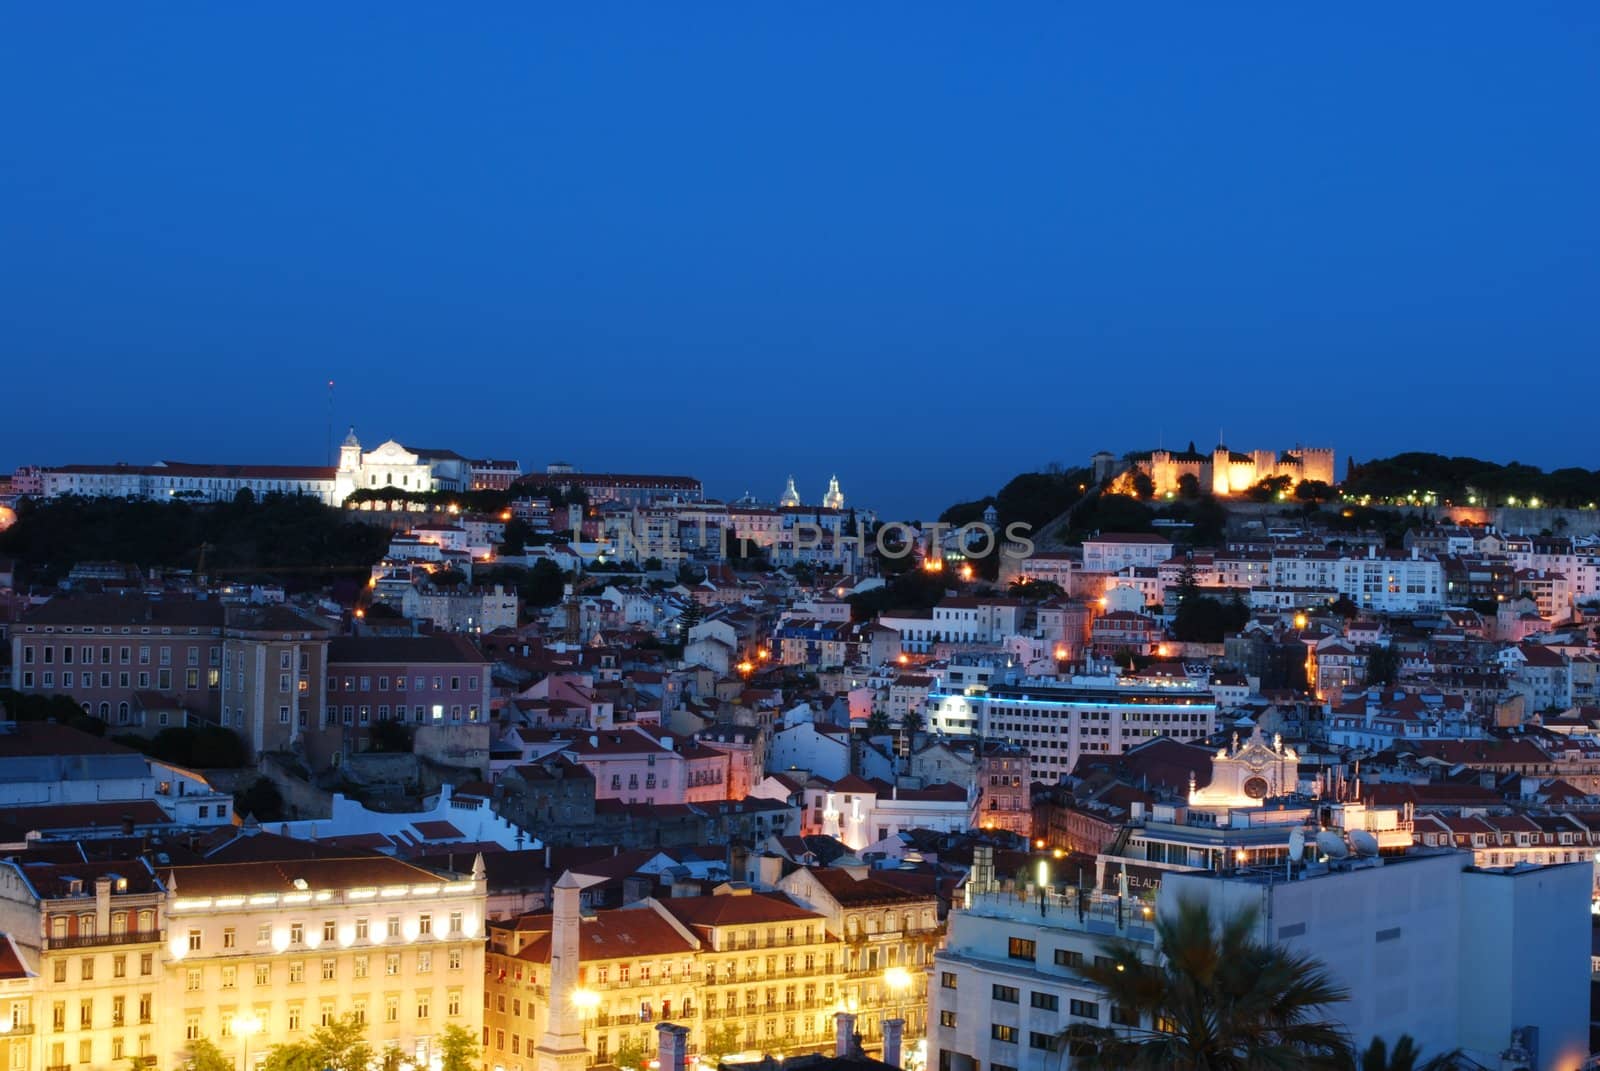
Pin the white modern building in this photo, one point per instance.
(1111, 552)
(1428, 945)
(1493, 962)
(1059, 720)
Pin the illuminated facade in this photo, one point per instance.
(742, 970)
(1057, 722)
(291, 945)
(1231, 472)
(90, 933)
(890, 937)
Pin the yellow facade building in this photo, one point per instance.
(742, 971)
(284, 947)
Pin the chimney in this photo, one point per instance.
(547, 855)
(844, 1034)
(672, 1045)
(893, 1029)
(102, 903)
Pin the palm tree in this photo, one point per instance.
(1219, 1000)
(1403, 1057)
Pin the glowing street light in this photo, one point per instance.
(246, 1025)
(585, 1000)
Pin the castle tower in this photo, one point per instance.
(834, 499)
(1220, 458)
(561, 1048)
(791, 497)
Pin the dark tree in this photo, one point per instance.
(1383, 666)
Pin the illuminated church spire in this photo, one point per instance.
(834, 499)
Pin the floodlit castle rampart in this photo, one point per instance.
(1232, 472)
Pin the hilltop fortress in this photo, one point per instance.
(1223, 471)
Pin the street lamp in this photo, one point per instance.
(246, 1025)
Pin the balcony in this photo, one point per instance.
(102, 940)
(15, 1030)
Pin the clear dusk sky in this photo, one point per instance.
(922, 245)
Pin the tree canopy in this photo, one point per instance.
(290, 539)
(1458, 479)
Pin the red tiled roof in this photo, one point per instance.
(737, 909)
(624, 933)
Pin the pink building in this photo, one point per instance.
(633, 766)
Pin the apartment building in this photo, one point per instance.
(423, 680)
(771, 972)
(1008, 980)
(743, 970)
(1492, 962)
(144, 664)
(1059, 721)
(295, 944)
(890, 935)
(91, 933)
(1112, 552)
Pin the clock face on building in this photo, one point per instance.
(1256, 788)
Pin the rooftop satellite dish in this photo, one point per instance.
(1332, 845)
(1365, 844)
(1297, 846)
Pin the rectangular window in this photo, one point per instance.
(1084, 1009)
(330, 969)
(263, 974)
(230, 937)
(425, 924)
(191, 980)
(1006, 994)
(1121, 1016)
(947, 1018)
(947, 979)
(1020, 948)
(1066, 957)
(1039, 1040)
(1001, 1032)
(297, 971)
(1044, 1001)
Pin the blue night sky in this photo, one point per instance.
(923, 245)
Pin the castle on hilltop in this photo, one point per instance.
(1223, 471)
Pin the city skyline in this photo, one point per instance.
(1302, 226)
